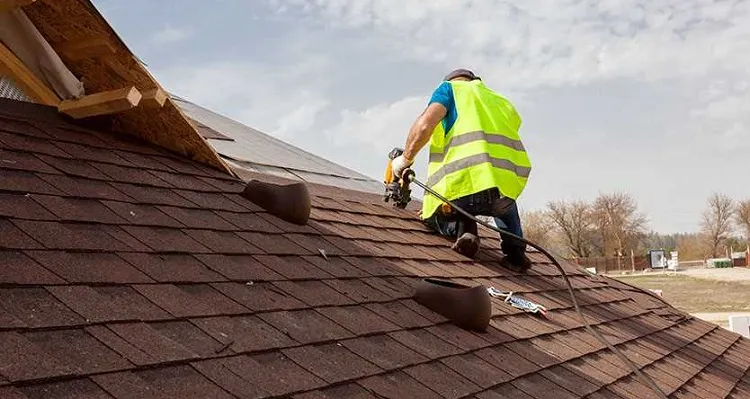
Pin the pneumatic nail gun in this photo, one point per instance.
(396, 188)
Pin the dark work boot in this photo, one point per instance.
(467, 245)
(516, 261)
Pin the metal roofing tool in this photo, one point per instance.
(517, 301)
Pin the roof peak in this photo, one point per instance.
(89, 72)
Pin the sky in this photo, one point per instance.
(646, 97)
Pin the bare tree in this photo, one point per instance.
(574, 221)
(539, 227)
(619, 223)
(693, 247)
(717, 221)
(742, 217)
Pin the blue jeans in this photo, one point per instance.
(511, 221)
(487, 203)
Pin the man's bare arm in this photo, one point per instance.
(422, 129)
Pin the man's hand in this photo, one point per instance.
(399, 165)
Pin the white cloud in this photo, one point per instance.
(645, 96)
(721, 120)
(377, 125)
(169, 34)
(649, 96)
(551, 42)
(303, 117)
(270, 99)
(375, 131)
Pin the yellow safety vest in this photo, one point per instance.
(482, 150)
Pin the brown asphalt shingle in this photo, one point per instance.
(128, 272)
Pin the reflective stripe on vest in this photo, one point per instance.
(463, 163)
(481, 151)
(455, 141)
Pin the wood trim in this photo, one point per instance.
(27, 81)
(104, 103)
(154, 98)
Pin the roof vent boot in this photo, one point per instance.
(465, 306)
(289, 202)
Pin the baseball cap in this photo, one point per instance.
(462, 72)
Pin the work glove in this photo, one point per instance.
(399, 165)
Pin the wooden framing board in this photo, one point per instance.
(27, 81)
(63, 22)
(105, 103)
(154, 98)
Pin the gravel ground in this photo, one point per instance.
(734, 274)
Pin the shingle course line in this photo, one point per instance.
(218, 191)
(188, 361)
(685, 345)
(137, 202)
(125, 143)
(584, 355)
(332, 341)
(435, 359)
(52, 158)
(388, 255)
(736, 340)
(200, 252)
(744, 376)
(278, 290)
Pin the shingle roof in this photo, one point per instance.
(128, 272)
(252, 150)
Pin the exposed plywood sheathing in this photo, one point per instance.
(105, 103)
(77, 24)
(7, 5)
(27, 81)
(93, 48)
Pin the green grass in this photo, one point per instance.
(695, 295)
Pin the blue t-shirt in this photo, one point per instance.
(444, 95)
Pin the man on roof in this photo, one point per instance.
(476, 160)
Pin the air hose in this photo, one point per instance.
(409, 176)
